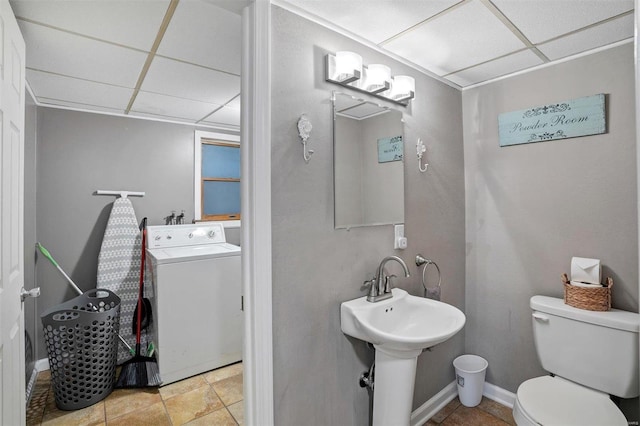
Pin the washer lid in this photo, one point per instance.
(185, 254)
(556, 401)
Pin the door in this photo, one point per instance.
(12, 69)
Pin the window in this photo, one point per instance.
(217, 176)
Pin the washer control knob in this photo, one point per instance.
(169, 237)
(157, 237)
(212, 234)
(190, 234)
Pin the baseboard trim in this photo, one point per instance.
(499, 395)
(427, 410)
(42, 364)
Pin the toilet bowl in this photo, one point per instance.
(590, 355)
(555, 401)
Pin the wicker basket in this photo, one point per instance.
(591, 299)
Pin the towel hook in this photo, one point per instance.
(304, 131)
(420, 150)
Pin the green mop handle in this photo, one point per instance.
(46, 254)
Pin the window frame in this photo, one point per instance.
(210, 138)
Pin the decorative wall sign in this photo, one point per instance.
(569, 119)
(390, 149)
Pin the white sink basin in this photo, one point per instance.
(401, 323)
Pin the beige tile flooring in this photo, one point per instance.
(213, 398)
(488, 413)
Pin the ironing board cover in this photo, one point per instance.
(119, 267)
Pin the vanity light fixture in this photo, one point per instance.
(377, 78)
(346, 69)
(403, 88)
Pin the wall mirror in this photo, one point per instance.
(368, 150)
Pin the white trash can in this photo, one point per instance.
(470, 372)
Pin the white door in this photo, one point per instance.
(12, 69)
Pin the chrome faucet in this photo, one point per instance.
(381, 283)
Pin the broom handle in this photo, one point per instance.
(142, 261)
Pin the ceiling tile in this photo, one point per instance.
(130, 22)
(374, 20)
(225, 115)
(600, 35)
(75, 56)
(235, 103)
(46, 102)
(87, 93)
(170, 106)
(204, 34)
(499, 67)
(541, 20)
(174, 78)
(160, 117)
(466, 36)
(234, 6)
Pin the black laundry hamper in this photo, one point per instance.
(82, 341)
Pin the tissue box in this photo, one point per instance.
(589, 298)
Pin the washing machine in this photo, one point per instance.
(197, 299)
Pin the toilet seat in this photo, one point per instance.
(553, 401)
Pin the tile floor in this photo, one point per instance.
(213, 398)
(488, 413)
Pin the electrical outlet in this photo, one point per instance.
(399, 241)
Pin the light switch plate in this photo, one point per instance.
(398, 231)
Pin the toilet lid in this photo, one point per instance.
(555, 401)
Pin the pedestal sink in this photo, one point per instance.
(399, 329)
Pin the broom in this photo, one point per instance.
(140, 371)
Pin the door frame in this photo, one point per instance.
(255, 153)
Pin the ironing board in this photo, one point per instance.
(119, 266)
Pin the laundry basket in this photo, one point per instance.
(82, 340)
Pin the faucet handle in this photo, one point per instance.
(373, 291)
(387, 283)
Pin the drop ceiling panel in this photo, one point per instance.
(466, 36)
(600, 35)
(169, 106)
(80, 92)
(235, 103)
(541, 20)
(225, 115)
(493, 69)
(374, 20)
(57, 103)
(63, 53)
(234, 6)
(160, 117)
(204, 34)
(131, 23)
(174, 78)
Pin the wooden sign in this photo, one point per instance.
(390, 149)
(569, 119)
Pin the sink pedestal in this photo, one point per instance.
(395, 377)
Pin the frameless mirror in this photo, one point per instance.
(368, 150)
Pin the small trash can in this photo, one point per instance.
(470, 372)
(82, 340)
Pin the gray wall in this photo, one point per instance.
(531, 207)
(315, 267)
(79, 153)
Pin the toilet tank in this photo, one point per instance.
(595, 349)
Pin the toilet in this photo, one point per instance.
(590, 355)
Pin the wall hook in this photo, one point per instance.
(420, 150)
(304, 131)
